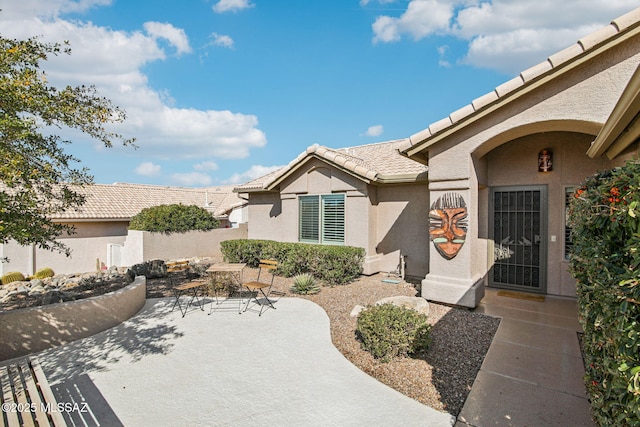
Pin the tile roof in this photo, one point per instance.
(123, 201)
(380, 162)
(592, 41)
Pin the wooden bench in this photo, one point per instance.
(27, 399)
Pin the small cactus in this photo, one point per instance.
(12, 276)
(44, 273)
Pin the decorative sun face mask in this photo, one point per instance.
(448, 224)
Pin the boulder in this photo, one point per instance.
(150, 269)
(356, 310)
(414, 303)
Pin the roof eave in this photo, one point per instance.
(493, 101)
(368, 178)
(622, 127)
(402, 178)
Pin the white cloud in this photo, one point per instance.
(48, 9)
(232, 5)
(221, 40)
(113, 61)
(443, 51)
(148, 169)
(505, 35)
(192, 179)
(206, 166)
(422, 18)
(254, 172)
(366, 2)
(376, 130)
(175, 36)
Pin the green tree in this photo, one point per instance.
(173, 219)
(37, 178)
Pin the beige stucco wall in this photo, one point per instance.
(88, 244)
(515, 163)
(34, 329)
(403, 228)
(577, 102)
(384, 220)
(141, 246)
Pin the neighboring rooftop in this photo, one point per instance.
(373, 163)
(123, 201)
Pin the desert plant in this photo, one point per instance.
(304, 284)
(605, 220)
(43, 273)
(12, 276)
(388, 331)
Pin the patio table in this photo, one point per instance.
(230, 275)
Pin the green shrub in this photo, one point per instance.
(44, 273)
(605, 260)
(173, 219)
(12, 276)
(388, 331)
(334, 265)
(304, 284)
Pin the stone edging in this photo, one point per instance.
(34, 329)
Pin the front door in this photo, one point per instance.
(517, 218)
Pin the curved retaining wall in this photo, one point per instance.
(34, 329)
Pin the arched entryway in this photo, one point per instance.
(522, 208)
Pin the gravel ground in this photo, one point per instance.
(440, 378)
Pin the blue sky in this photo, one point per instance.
(221, 91)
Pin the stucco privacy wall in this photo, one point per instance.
(137, 247)
(88, 243)
(383, 220)
(578, 100)
(38, 328)
(141, 246)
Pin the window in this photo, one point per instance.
(321, 219)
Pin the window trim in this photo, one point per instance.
(326, 220)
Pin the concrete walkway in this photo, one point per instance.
(533, 372)
(226, 369)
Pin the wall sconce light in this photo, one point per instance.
(545, 161)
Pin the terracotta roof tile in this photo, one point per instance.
(123, 201)
(371, 162)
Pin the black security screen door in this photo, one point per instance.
(518, 225)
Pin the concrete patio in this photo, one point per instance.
(159, 369)
(228, 369)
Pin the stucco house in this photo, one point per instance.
(101, 224)
(482, 198)
(368, 196)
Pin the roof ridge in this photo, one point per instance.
(555, 61)
(373, 143)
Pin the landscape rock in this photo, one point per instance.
(357, 309)
(414, 303)
(151, 269)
